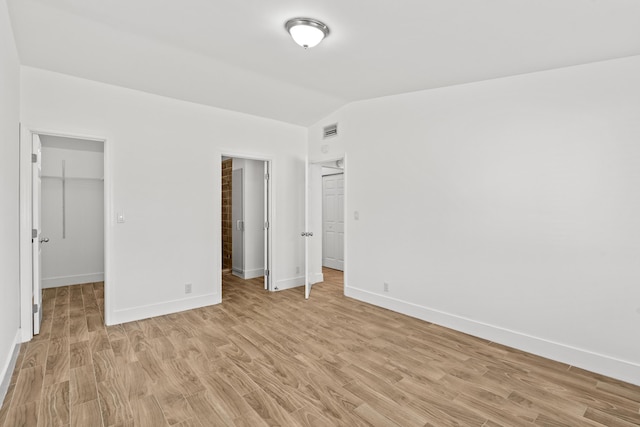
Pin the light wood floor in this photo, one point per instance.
(263, 359)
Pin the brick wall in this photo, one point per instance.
(227, 171)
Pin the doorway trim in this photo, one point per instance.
(269, 199)
(345, 171)
(25, 203)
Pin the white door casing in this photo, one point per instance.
(28, 292)
(333, 221)
(267, 225)
(269, 205)
(37, 239)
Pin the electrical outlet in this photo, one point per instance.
(187, 288)
(386, 287)
(297, 270)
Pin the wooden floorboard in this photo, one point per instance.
(267, 359)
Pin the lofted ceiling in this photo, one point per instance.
(236, 54)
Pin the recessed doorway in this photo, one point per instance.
(326, 226)
(64, 198)
(245, 224)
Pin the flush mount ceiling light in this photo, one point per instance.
(306, 32)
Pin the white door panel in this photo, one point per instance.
(333, 221)
(38, 239)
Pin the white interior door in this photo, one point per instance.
(267, 225)
(237, 221)
(313, 226)
(333, 221)
(305, 233)
(37, 239)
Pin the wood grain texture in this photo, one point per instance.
(54, 406)
(266, 359)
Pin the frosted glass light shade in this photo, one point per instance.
(307, 32)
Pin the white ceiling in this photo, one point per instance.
(236, 54)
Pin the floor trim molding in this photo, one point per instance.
(78, 279)
(581, 358)
(152, 310)
(7, 370)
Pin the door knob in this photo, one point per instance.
(44, 240)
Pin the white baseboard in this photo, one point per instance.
(298, 281)
(252, 274)
(294, 282)
(9, 366)
(594, 362)
(56, 282)
(153, 310)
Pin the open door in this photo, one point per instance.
(36, 237)
(313, 225)
(267, 225)
(305, 234)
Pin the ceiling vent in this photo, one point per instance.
(330, 131)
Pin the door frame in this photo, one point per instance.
(270, 209)
(345, 169)
(26, 205)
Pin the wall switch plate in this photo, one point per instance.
(187, 288)
(356, 215)
(120, 217)
(386, 287)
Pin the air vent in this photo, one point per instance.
(330, 131)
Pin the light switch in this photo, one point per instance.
(120, 217)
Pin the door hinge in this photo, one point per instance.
(34, 233)
(35, 308)
(266, 177)
(266, 225)
(266, 273)
(34, 158)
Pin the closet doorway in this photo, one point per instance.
(245, 224)
(72, 215)
(64, 235)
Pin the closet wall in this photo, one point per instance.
(72, 211)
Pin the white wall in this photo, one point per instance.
(253, 196)
(163, 164)
(78, 257)
(9, 225)
(507, 209)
